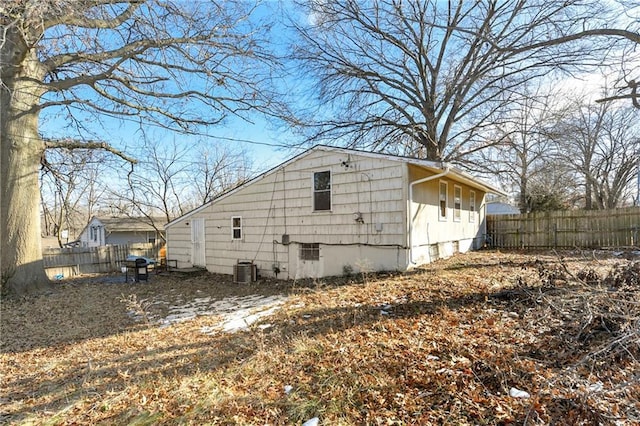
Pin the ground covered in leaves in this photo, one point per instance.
(481, 338)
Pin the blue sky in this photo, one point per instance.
(261, 139)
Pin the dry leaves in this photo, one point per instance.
(443, 345)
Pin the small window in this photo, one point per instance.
(236, 227)
(94, 233)
(443, 201)
(472, 206)
(151, 240)
(457, 203)
(310, 251)
(322, 191)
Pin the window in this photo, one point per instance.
(457, 203)
(94, 233)
(310, 251)
(472, 206)
(443, 201)
(236, 227)
(322, 191)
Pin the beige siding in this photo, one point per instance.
(367, 227)
(179, 243)
(436, 237)
(282, 203)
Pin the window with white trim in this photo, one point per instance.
(472, 206)
(442, 208)
(94, 233)
(310, 251)
(236, 227)
(457, 203)
(322, 191)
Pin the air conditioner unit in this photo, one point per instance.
(244, 272)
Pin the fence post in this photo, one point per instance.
(555, 235)
(521, 232)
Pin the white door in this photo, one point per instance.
(197, 242)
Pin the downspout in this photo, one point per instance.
(411, 185)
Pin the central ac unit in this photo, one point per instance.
(244, 272)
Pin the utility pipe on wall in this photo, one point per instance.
(411, 185)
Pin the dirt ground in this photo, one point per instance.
(480, 338)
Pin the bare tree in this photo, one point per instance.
(601, 142)
(217, 170)
(524, 157)
(181, 65)
(615, 35)
(426, 77)
(69, 183)
(171, 179)
(158, 184)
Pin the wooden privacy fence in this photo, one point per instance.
(564, 229)
(69, 262)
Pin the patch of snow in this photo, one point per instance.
(312, 422)
(207, 306)
(237, 313)
(243, 318)
(596, 387)
(517, 393)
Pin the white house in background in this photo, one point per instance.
(500, 208)
(102, 231)
(330, 210)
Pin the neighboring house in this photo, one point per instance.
(329, 211)
(102, 231)
(500, 208)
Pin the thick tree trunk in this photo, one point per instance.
(21, 149)
(523, 205)
(588, 195)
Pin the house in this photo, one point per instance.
(500, 208)
(102, 231)
(329, 211)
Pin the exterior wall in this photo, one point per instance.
(95, 237)
(120, 238)
(100, 236)
(337, 260)
(365, 228)
(433, 237)
(179, 242)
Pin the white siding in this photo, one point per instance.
(282, 203)
(93, 234)
(366, 228)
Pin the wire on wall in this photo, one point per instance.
(266, 222)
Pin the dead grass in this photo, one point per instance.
(443, 345)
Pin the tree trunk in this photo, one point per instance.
(588, 195)
(523, 205)
(21, 149)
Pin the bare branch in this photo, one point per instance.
(71, 144)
